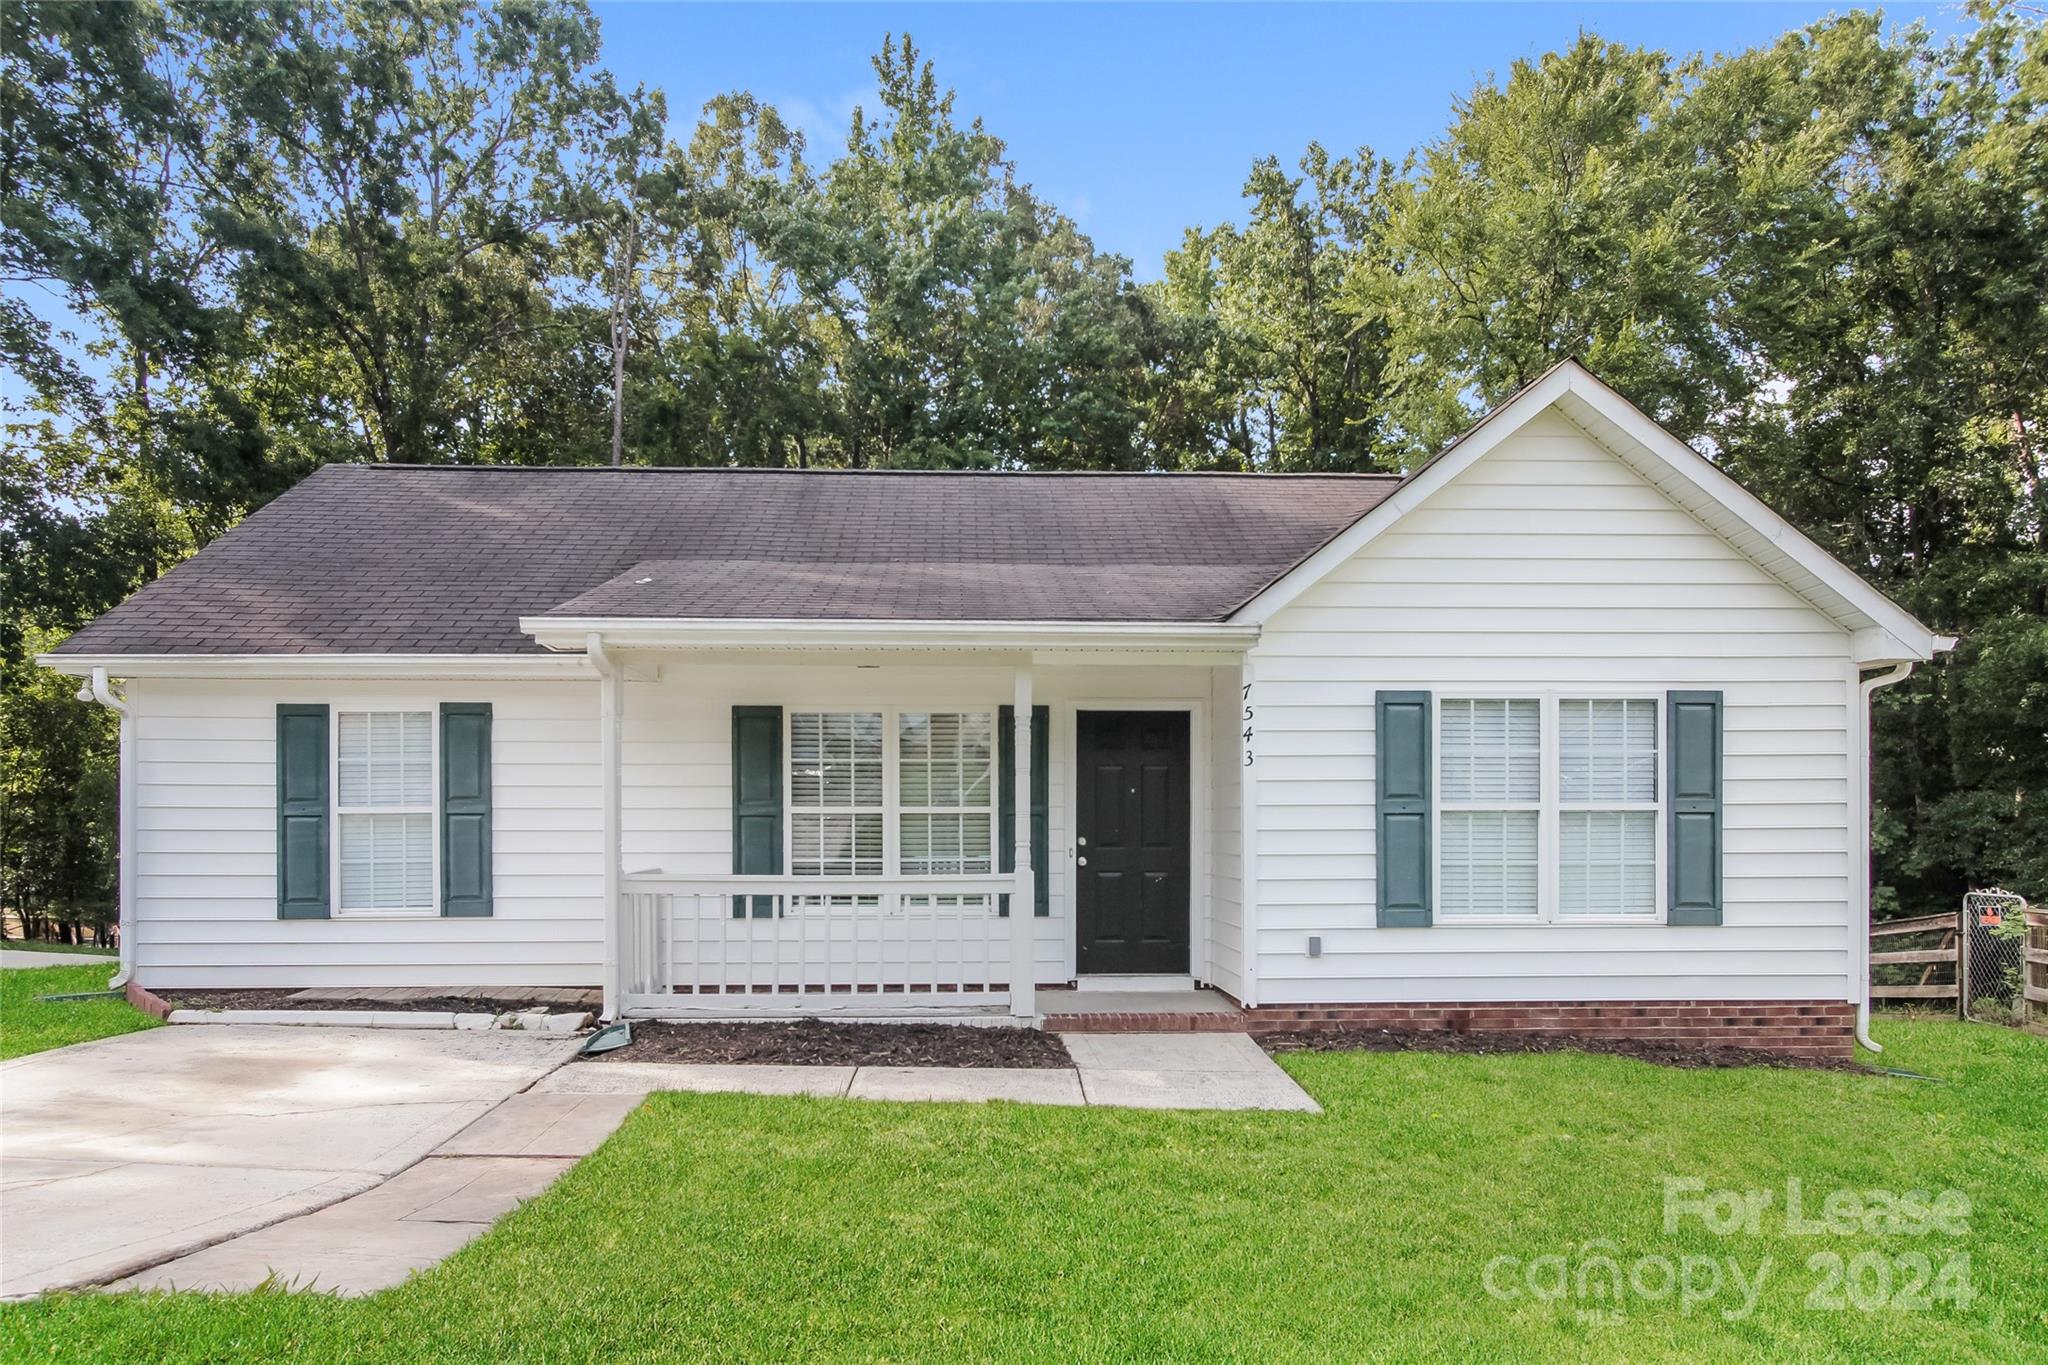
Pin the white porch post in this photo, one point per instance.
(611, 711)
(1024, 899)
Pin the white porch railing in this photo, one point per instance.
(814, 945)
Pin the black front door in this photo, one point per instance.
(1132, 841)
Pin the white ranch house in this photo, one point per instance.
(1563, 730)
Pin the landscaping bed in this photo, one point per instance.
(1691, 1056)
(813, 1042)
(436, 1004)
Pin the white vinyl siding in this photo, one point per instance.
(384, 812)
(1550, 566)
(206, 843)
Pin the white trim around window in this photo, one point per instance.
(892, 808)
(1641, 722)
(388, 797)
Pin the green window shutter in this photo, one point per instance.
(466, 809)
(1401, 742)
(756, 801)
(1693, 739)
(1041, 791)
(302, 813)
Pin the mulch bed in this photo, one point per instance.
(281, 1000)
(1688, 1056)
(813, 1042)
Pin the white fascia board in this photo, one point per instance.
(664, 632)
(1496, 427)
(482, 667)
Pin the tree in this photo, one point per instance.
(1552, 219)
(1303, 376)
(396, 181)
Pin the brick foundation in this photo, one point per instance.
(1806, 1028)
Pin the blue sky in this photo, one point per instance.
(1141, 119)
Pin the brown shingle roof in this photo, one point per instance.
(409, 559)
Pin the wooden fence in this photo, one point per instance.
(1946, 951)
(2034, 978)
(1949, 953)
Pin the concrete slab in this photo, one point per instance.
(1148, 1089)
(142, 1147)
(642, 1078)
(494, 1186)
(337, 1256)
(1217, 1052)
(24, 960)
(1024, 1085)
(1092, 1001)
(543, 1124)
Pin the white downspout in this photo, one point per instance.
(611, 702)
(98, 690)
(1860, 951)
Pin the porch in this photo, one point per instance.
(835, 829)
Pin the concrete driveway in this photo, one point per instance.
(117, 1154)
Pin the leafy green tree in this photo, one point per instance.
(396, 180)
(1291, 377)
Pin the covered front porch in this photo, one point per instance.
(832, 819)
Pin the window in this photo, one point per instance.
(1490, 784)
(946, 790)
(1565, 831)
(384, 810)
(878, 793)
(835, 793)
(1607, 806)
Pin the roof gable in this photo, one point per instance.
(1883, 631)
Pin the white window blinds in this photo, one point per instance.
(835, 793)
(1607, 792)
(1490, 786)
(384, 804)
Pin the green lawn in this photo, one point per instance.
(741, 1228)
(29, 1025)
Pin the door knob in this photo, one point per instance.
(1082, 861)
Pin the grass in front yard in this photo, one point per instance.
(743, 1228)
(30, 1025)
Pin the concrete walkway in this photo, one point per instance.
(22, 958)
(1127, 1070)
(418, 1217)
(120, 1153)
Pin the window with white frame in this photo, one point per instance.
(1607, 806)
(836, 806)
(384, 811)
(1489, 785)
(946, 792)
(1568, 831)
(906, 792)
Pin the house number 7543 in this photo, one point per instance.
(1247, 725)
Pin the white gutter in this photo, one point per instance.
(98, 690)
(1860, 950)
(285, 667)
(611, 699)
(673, 632)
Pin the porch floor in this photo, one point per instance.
(1093, 1011)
